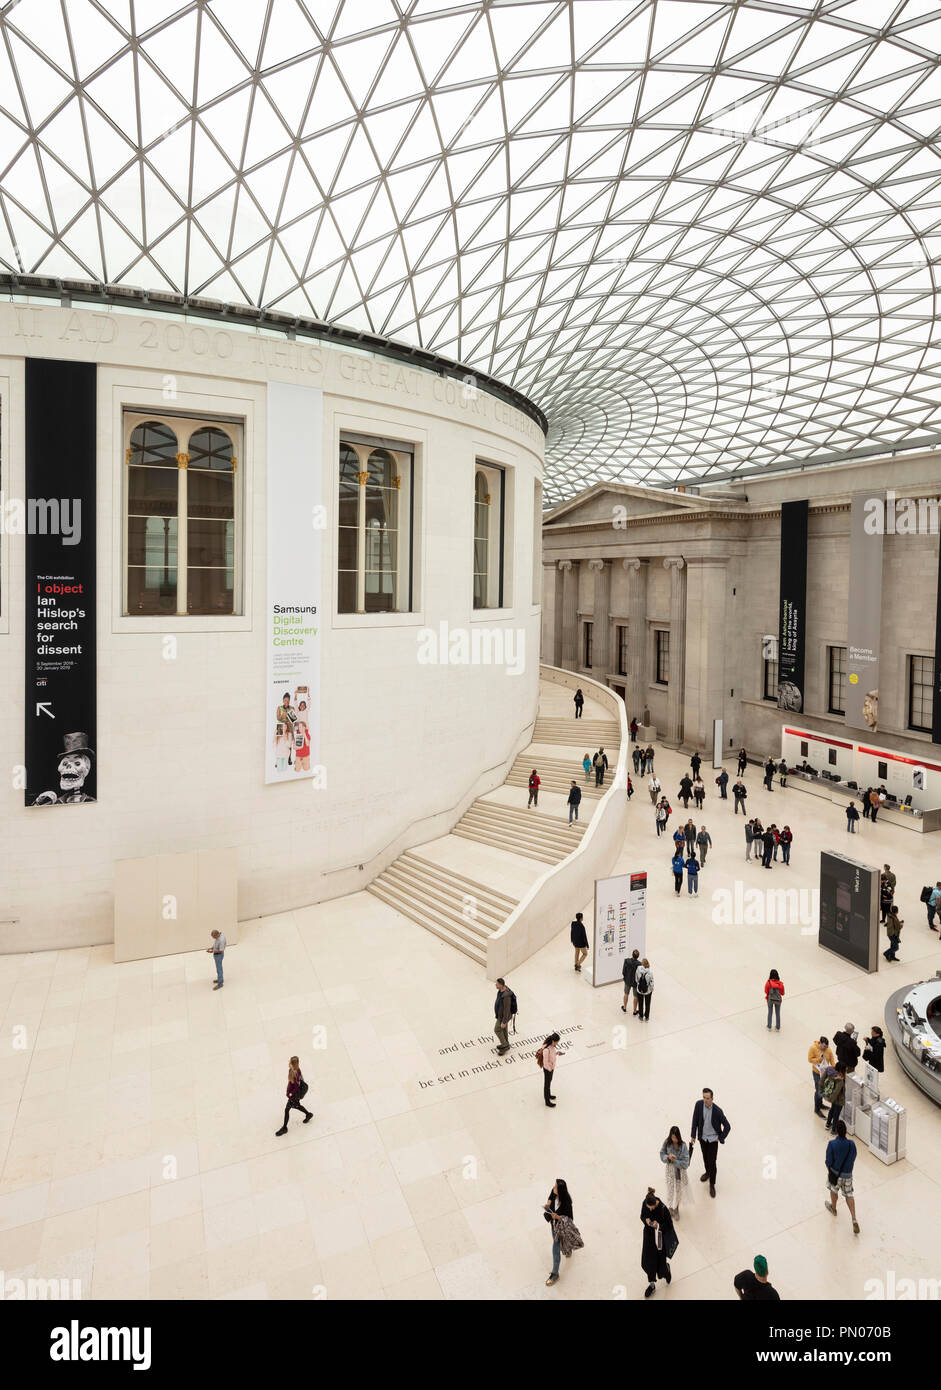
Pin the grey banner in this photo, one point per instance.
(864, 613)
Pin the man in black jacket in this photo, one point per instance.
(629, 971)
(847, 1049)
(739, 791)
(712, 1129)
(695, 763)
(575, 797)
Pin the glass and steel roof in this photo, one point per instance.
(702, 236)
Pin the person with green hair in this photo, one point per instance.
(752, 1284)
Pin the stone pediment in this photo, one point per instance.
(599, 504)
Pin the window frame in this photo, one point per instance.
(927, 701)
(588, 640)
(185, 422)
(621, 640)
(661, 649)
(769, 664)
(494, 475)
(841, 678)
(405, 451)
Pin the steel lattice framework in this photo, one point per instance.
(702, 236)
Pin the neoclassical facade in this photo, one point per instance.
(671, 598)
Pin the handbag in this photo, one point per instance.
(302, 1090)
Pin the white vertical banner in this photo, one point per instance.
(717, 743)
(295, 511)
(620, 924)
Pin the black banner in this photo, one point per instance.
(849, 909)
(792, 606)
(936, 698)
(61, 682)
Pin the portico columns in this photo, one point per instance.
(569, 570)
(636, 693)
(677, 678)
(600, 617)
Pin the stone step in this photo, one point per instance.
(434, 894)
(499, 901)
(453, 933)
(543, 856)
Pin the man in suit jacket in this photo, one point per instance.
(712, 1129)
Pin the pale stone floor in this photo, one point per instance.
(137, 1124)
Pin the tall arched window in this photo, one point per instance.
(374, 527)
(152, 519)
(481, 540)
(181, 544)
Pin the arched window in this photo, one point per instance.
(181, 550)
(481, 540)
(152, 519)
(210, 522)
(374, 507)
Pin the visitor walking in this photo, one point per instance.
(546, 1057)
(703, 844)
(574, 801)
(660, 1242)
(558, 1208)
(579, 701)
(586, 764)
(296, 1091)
(749, 839)
(852, 816)
(534, 785)
(634, 727)
(600, 764)
(643, 985)
(503, 1011)
(819, 1055)
(876, 798)
(712, 1128)
(648, 756)
(685, 791)
(767, 841)
(661, 818)
(740, 792)
(774, 993)
(630, 787)
(579, 939)
(722, 782)
(840, 1160)
(679, 840)
(752, 1284)
(674, 1155)
(635, 759)
(692, 876)
(629, 971)
(742, 761)
(677, 863)
(867, 804)
(782, 773)
(699, 793)
(217, 951)
(689, 831)
(893, 930)
(933, 904)
(655, 788)
(769, 774)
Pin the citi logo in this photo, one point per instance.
(76, 1343)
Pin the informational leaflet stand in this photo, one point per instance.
(887, 1137)
(620, 925)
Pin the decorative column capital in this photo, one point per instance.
(597, 565)
(674, 562)
(632, 565)
(565, 565)
(182, 460)
(362, 479)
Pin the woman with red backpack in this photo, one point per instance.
(774, 993)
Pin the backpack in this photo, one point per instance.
(828, 1086)
(774, 995)
(513, 1009)
(539, 1057)
(925, 896)
(641, 980)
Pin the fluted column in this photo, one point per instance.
(674, 731)
(569, 570)
(636, 693)
(600, 617)
(551, 612)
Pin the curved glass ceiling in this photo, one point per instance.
(701, 236)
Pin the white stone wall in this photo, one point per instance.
(181, 743)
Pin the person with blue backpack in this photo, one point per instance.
(504, 1008)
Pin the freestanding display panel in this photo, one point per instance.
(620, 924)
(849, 910)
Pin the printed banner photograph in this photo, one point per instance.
(61, 664)
(292, 690)
(792, 606)
(863, 616)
